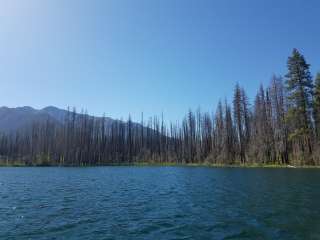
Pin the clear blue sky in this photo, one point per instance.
(123, 56)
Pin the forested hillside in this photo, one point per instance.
(280, 126)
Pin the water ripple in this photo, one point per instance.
(158, 203)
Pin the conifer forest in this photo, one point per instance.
(280, 126)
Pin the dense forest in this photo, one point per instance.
(281, 126)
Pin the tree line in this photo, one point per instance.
(281, 126)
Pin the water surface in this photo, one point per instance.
(159, 203)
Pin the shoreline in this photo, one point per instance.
(168, 164)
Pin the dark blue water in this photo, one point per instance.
(159, 203)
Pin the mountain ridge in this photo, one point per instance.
(16, 118)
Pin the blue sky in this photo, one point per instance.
(122, 56)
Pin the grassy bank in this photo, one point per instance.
(215, 165)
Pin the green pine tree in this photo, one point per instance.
(299, 88)
(316, 106)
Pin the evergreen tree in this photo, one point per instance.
(238, 117)
(316, 106)
(299, 86)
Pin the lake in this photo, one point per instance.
(159, 203)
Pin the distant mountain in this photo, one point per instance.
(12, 119)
